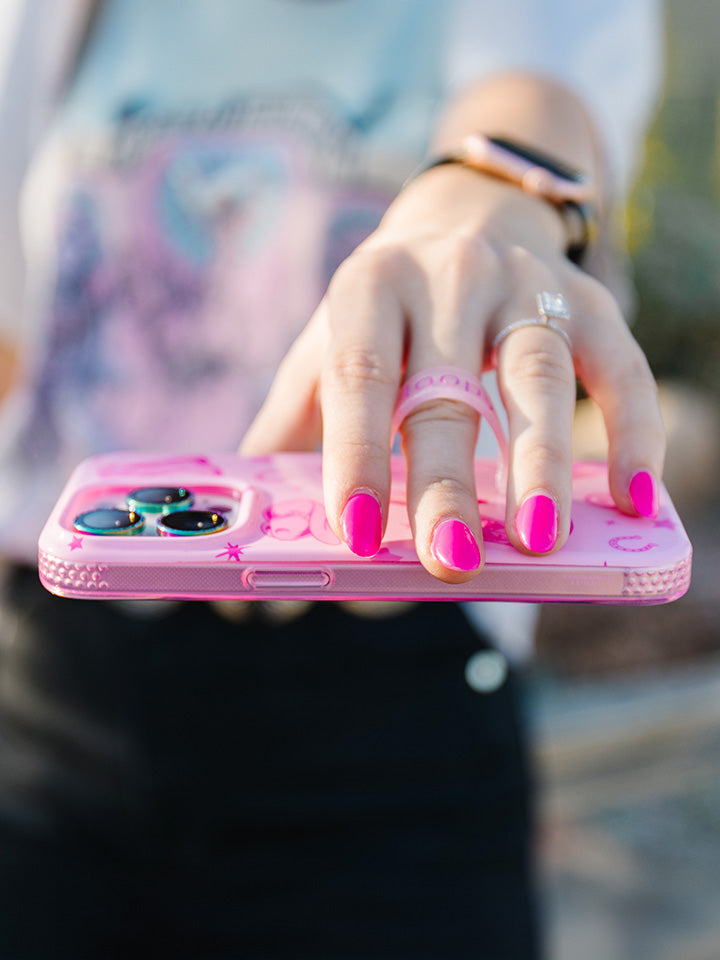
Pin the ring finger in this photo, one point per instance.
(537, 383)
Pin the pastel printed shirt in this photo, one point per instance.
(212, 163)
(201, 185)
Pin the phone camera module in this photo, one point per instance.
(190, 523)
(108, 521)
(159, 499)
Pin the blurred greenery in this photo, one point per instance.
(673, 216)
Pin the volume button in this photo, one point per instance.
(288, 579)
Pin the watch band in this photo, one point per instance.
(535, 173)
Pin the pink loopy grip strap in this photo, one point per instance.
(450, 383)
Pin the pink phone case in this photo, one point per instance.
(278, 545)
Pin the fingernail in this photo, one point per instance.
(361, 523)
(454, 546)
(537, 523)
(644, 494)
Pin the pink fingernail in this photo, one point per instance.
(644, 494)
(361, 523)
(537, 523)
(454, 546)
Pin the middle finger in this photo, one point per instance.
(439, 436)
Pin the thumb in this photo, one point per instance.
(290, 417)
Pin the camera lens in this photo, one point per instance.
(159, 499)
(188, 523)
(108, 521)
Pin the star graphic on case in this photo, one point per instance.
(232, 553)
(76, 543)
(666, 524)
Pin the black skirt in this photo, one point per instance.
(226, 782)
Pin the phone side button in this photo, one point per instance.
(287, 579)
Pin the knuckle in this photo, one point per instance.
(357, 367)
(526, 269)
(636, 370)
(545, 457)
(461, 261)
(634, 378)
(447, 488)
(363, 448)
(468, 252)
(373, 266)
(596, 301)
(544, 366)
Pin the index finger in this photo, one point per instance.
(359, 386)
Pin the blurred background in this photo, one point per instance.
(625, 702)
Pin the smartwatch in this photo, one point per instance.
(535, 173)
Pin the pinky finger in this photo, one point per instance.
(618, 377)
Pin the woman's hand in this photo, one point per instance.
(457, 258)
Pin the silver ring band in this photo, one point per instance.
(532, 322)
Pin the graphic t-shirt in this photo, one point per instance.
(212, 165)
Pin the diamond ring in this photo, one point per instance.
(552, 307)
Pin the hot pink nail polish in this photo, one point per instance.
(454, 546)
(644, 494)
(361, 523)
(537, 523)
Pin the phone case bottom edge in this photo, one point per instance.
(497, 582)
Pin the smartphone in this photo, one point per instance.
(136, 525)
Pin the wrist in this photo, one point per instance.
(455, 197)
(532, 171)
